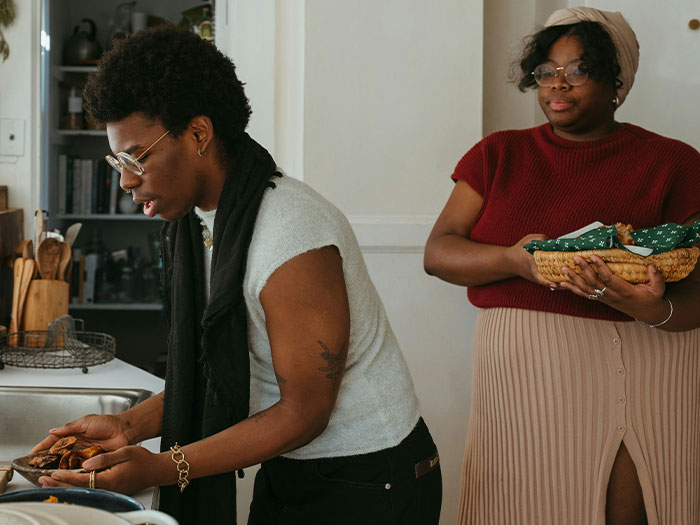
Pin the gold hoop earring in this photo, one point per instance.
(616, 101)
(201, 155)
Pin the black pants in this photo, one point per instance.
(400, 485)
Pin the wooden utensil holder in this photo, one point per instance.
(46, 300)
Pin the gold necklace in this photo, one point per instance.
(206, 235)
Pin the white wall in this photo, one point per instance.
(19, 84)
(392, 100)
(663, 98)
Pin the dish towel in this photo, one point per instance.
(659, 239)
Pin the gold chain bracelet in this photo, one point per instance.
(183, 467)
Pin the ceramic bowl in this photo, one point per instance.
(96, 498)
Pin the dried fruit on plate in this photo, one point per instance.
(87, 453)
(63, 444)
(45, 461)
(65, 454)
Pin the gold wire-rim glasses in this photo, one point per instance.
(546, 74)
(124, 160)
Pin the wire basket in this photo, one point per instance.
(64, 345)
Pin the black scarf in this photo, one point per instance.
(207, 384)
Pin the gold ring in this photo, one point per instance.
(92, 479)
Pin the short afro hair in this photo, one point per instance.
(599, 53)
(171, 75)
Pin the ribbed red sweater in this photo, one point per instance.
(535, 182)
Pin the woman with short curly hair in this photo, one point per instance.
(579, 414)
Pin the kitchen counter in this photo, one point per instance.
(115, 374)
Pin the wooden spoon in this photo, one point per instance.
(17, 271)
(28, 273)
(48, 256)
(25, 249)
(64, 260)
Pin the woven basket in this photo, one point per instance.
(674, 265)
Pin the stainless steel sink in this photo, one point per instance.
(27, 413)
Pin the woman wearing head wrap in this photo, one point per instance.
(579, 414)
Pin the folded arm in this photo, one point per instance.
(453, 257)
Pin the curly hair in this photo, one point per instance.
(171, 75)
(599, 53)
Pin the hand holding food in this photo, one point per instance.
(106, 431)
(65, 454)
(126, 471)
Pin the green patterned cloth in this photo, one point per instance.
(659, 238)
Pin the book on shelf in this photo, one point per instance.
(61, 197)
(91, 263)
(86, 186)
(86, 175)
(77, 186)
(114, 187)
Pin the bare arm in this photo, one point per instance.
(145, 420)
(453, 257)
(308, 324)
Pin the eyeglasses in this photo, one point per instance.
(546, 74)
(126, 161)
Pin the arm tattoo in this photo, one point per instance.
(336, 363)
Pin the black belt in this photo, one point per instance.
(427, 465)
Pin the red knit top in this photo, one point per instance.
(533, 181)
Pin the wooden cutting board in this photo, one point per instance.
(46, 300)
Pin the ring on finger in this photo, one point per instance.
(600, 293)
(92, 479)
(593, 296)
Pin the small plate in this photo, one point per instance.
(96, 498)
(33, 474)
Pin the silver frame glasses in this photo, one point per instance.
(568, 69)
(124, 160)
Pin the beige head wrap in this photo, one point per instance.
(620, 32)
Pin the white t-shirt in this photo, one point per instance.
(376, 406)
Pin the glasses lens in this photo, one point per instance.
(114, 163)
(544, 74)
(130, 163)
(575, 74)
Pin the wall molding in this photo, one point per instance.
(392, 233)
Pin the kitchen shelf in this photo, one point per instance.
(115, 306)
(105, 217)
(82, 132)
(76, 69)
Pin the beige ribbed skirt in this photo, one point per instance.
(554, 396)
